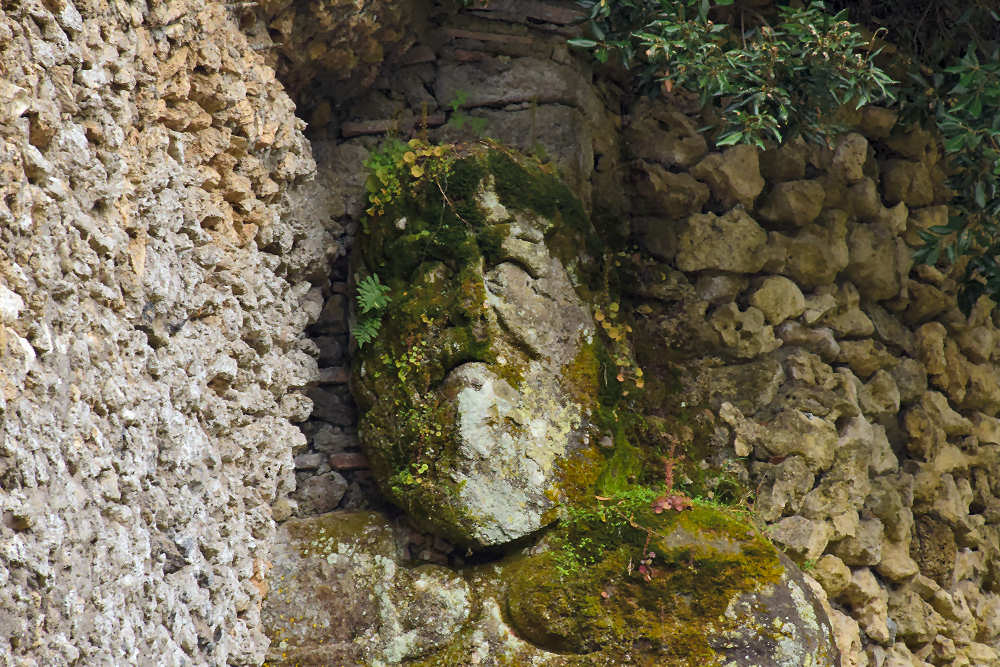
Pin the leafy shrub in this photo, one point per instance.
(963, 101)
(772, 81)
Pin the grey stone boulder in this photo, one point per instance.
(805, 636)
(339, 594)
(795, 203)
(771, 617)
(733, 175)
(468, 411)
(731, 242)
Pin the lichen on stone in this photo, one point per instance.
(467, 418)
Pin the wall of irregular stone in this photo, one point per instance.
(863, 402)
(163, 257)
(509, 63)
(155, 283)
(855, 397)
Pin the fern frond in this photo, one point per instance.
(366, 330)
(372, 294)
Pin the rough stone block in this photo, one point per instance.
(779, 299)
(795, 203)
(733, 175)
(731, 242)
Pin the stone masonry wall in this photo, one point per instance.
(510, 66)
(851, 393)
(862, 403)
(154, 288)
(163, 256)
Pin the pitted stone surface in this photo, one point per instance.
(149, 344)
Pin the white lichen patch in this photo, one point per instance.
(509, 445)
(419, 611)
(514, 431)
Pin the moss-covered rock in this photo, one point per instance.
(339, 595)
(468, 416)
(502, 393)
(697, 587)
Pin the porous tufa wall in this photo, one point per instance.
(154, 287)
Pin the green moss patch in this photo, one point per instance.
(618, 599)
(323, 535)
(429, 238)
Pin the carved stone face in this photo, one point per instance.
(469, 416)
(510, 438)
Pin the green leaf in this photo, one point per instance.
(976, 106)
(933, 255)
(372, 294)
(581, 43)
(954, 144)
(729, 139)
(366, 330)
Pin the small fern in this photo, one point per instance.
(372, 294)
(366, 330)
(372, 299)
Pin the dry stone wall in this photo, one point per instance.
(855, 397)
(155, 282)
(163, 257)
(863, 402)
